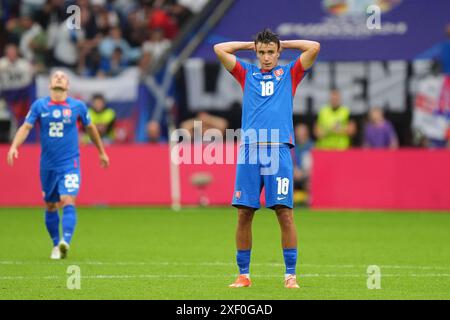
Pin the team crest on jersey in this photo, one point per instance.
(67, 113)
(278, 72)
(56, 113)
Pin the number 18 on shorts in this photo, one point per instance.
(251, 178)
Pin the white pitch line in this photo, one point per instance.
(202, 276)
(218, 263)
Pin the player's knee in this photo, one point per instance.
(286, 218)
(51, 206)
(67, 201)
(245, 216)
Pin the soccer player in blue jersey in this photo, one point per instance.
(267, 110)
(60, 156)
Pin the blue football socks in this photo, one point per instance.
(290, 260)
(52, 224)
(243, 261)
(69, 221)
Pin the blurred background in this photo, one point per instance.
(372, 116)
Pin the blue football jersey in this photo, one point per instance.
(58, 130)
(267, 109)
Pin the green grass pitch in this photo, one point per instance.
(154, 253)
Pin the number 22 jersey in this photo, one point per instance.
(58, 130)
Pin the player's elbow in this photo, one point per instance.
(27, 127)
(220, 49)
(90, 128)
(217, 48)
(315, 46)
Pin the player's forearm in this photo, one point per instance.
(21, 135)
(302, 45)
(225, 50)
(310, 50)
(95, 138)
(233, 46)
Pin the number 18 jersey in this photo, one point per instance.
(268, 101)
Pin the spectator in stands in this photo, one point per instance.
(334, 128)
(103, 118)
(379, 132)
(105, 17)
(67, 43)
(15, 28)
(136, 30)
(33, 43)
(159, 18)
(16, 74)
(114, 65)
(114, 40)
(15, 68)
(302, 157)
(96, 28)
(156, 45)
(50, 15)
(93, 63)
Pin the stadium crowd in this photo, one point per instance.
(112, 34)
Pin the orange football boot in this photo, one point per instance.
(291, 282)
(241, 281)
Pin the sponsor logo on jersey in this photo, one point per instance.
(267, 77)
(67, 113)
(56, 113)
(238, 194)
(44, 115)
(278, 72)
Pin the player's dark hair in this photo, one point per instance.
(267, 36)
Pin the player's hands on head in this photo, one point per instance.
(104, 160)
(13, 153)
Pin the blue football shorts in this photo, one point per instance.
(268, 166)
(56, 183)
